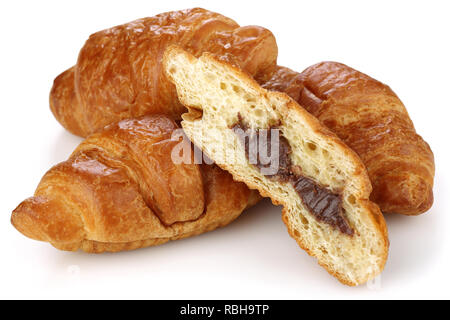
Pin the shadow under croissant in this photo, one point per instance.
(258, 237)
(261, 222)
(411, 252)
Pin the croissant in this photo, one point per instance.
(120, 190)
(369, 117)
(320, 182)
(119, 74)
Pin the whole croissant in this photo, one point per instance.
(119, 74)
(369, 117)
(120, 190)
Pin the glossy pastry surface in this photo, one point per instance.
(369, 117)
(120, 190)
(119, 74)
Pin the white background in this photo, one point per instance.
(402, 43)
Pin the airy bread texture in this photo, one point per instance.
(218, 95)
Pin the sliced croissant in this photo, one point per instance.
(321, 183)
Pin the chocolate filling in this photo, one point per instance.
(322, 203)
(264, 142)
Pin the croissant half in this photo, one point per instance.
(320, 182)
(119, 73)
(120, 190)
(369, 117)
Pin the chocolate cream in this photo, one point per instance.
(321, 202)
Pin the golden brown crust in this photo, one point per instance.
(120, 191)
(371, 119)
(119, 73)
